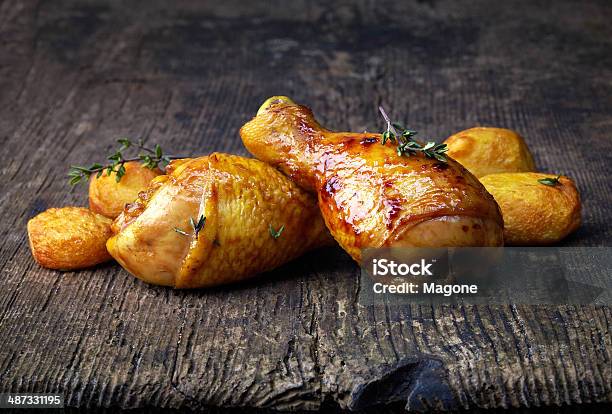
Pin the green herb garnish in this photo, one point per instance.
(406, 145)
(276, 234)
(197, 226)
(149, 157)
(551, 182)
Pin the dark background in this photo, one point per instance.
(77, 75)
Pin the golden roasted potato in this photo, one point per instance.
(69, 238)
(108, 197)
(535, 213)
(490, 150)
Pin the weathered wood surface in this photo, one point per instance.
(76, 75)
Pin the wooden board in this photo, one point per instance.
(75, 76)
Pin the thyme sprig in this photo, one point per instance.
(149, 157)
(276, 233)
(551, 182)
(406, 145)
(196, 226)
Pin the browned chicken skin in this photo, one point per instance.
(369, 196)
(245, 203)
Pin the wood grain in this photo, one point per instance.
(75, 76)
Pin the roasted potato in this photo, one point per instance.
(69, 238)
(490, 150)
(535, 213)
(108, 197)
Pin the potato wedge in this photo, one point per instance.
(490, 150)
(534, 213)
(69, 238)
(108, 197)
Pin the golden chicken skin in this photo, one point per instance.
(485, 150)
(368, 194)
(538, 209)
(69, 238)
(214, 220)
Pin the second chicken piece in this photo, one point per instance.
(368, 194)
(215, 220)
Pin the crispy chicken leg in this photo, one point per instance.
(215, 220)
(368, 194)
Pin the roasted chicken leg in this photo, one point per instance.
(214, 220)
(368, 194)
